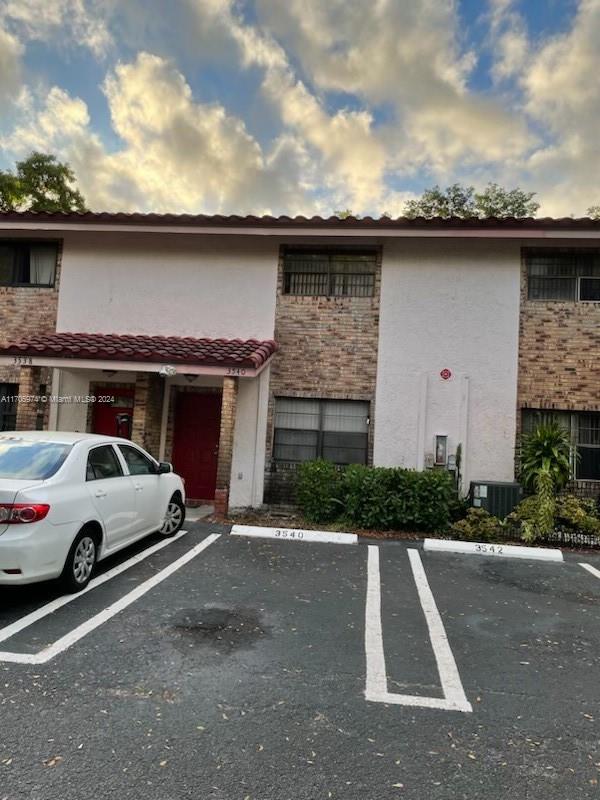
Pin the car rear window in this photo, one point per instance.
(24, 460)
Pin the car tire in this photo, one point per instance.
(80, 563)
(174, 517)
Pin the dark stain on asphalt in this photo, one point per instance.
(226, 629)
(510, 576)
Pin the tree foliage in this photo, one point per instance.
(40, 183)
(594, 212)
(344, 213)
(464, 202)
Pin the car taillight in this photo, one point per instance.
(21, 513)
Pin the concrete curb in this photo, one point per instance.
(293, 534)
(493, 550)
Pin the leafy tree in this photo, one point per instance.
(464, 202)
(593, 212)
(40, 183)
(454, 201)
(9, 191)
(343, 214)
(495, 201)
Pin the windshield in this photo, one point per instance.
(24, 460)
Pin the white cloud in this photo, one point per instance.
(561, 95)
(356, 100)
(176, 154)
(80, 22)
(403, 56)
(10, 65)
(61, 120)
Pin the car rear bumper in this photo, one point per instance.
(36, 551)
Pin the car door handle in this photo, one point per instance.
(138, 487)
(100, 493)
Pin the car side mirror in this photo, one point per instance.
(164, 467)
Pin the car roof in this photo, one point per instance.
(61, 437)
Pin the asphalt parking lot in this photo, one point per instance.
(213, 666)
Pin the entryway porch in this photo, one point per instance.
(184, 402)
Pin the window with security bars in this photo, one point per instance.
(584, 431)
(331, 274)
(563, 275)
(306, 429)
(588, 446)
(8, 406)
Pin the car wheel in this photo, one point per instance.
(80, 562)
(174, 517)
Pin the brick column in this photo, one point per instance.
(228, 411)
(29, 384)
(147, 412)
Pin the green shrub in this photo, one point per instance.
(571, 515)
(377, 497)
(478, 525)
(318, 489)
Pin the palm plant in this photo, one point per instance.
(546, 450)
(545, 469)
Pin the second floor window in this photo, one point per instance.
(25, 263)
(329, 273)
(563, 275)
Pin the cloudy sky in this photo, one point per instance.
(304, 106)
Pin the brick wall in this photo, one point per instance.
(228, 412)
(328, 350)
(25, 311)
(147, 412)
(559, 361)
(559, 354)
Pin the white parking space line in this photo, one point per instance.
(294, 534)
(376, 689)
(62, 644)
(59, 602)
(592, 570)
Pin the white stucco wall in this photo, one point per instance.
(174, 284)
(449, 305)
(248, 463)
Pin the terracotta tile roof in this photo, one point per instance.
(250, 353)
(251, 221)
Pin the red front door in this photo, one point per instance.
(196, 442)
(114, 418)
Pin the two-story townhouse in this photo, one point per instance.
(238, 347)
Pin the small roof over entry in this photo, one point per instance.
(168, 355)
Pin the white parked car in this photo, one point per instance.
(67, 500)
